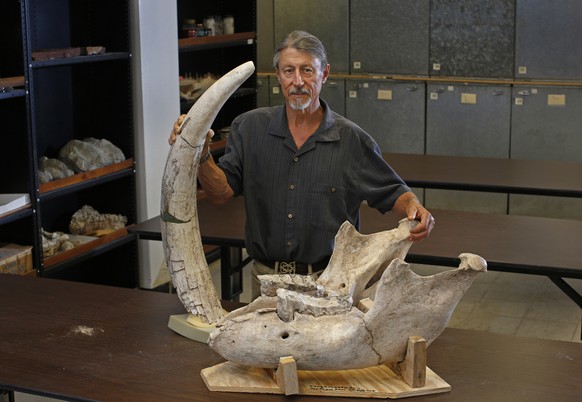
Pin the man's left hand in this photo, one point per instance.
(415, 211)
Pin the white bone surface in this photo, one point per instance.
(180, 231)
(330, 335)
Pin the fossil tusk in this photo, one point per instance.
(180, 230)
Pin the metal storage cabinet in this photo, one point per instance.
(265, 39)
(392, 112)
(473, 201)
(472, 38)
(389, 36)
(332, 92)
(468, 120)
(544, 206)
(548, 39)
(263, 90)
(546, 124)
(275, 95)
(326, 19)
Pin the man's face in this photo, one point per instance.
(301, 77)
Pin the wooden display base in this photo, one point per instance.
(371, 382)
(190, 327)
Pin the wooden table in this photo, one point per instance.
(79, 341)
(517, 176)
(224, 226)
(509, 243)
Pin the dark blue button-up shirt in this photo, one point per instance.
(296, 199)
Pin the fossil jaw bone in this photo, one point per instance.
(180, 230)
(323, 336)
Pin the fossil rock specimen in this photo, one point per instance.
(54, 243)
(88, 220)
(89, 154)
(52, 169)
(193, 88)
(79, 156)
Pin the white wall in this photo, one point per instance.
(156, 107)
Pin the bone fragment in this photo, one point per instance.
(301, 283)
(406, 303)
(88, 220)
(289, 302)
(358, 258)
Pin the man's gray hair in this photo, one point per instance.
(304, 42)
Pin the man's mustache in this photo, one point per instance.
(299, 92)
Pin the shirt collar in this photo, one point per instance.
(278, 125)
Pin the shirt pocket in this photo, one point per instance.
(328, 207)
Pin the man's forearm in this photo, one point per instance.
(214, 183)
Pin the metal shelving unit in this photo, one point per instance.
(49, 103)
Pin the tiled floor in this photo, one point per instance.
(517, 304)
(506, 303)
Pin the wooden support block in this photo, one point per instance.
(286, 375)
(378, 382)
(190, 327)
(413, 368)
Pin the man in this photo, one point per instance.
(303, 170)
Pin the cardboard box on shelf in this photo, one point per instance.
(15, 259)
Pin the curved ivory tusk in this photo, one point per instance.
(180, 230)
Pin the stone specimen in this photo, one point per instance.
(55, 242)
(52, 169)
(79, 156)
(87, 221)
(192, 88)
(89, 154)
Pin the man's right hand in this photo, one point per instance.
(211, 177)
(177, 129)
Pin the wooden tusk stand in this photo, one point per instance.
(411, 377)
